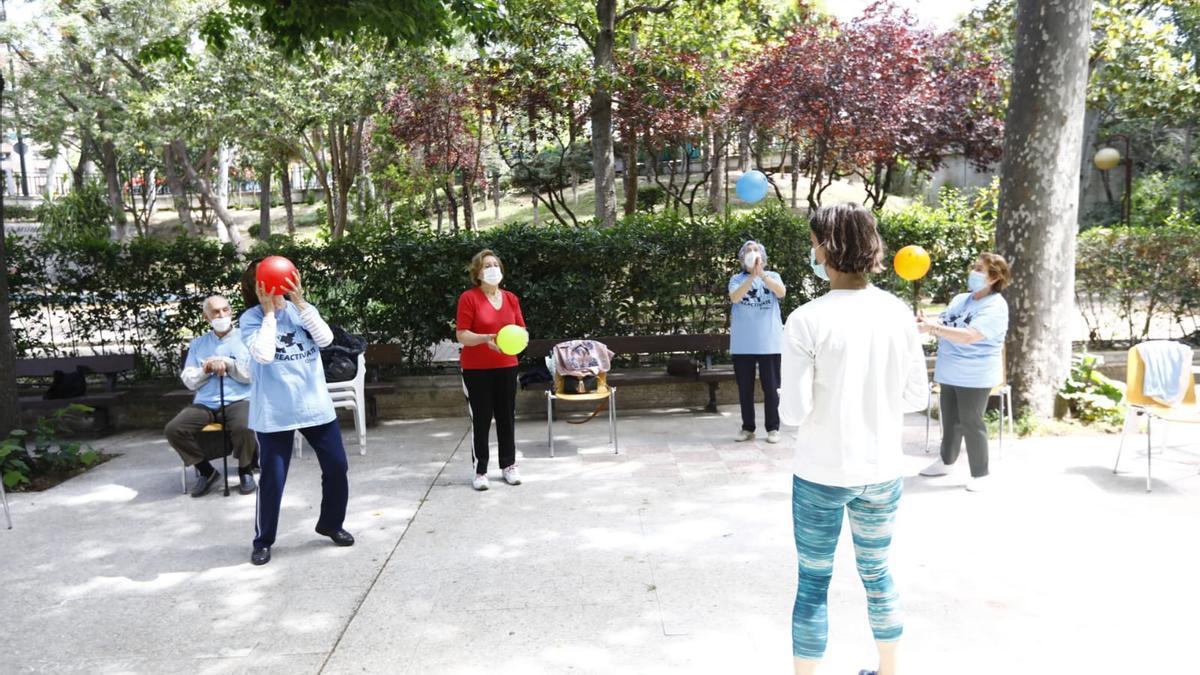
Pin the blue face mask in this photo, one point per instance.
(817, 268)
(976, 281)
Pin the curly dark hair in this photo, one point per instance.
(850, 237)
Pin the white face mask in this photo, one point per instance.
(493, 275)
(751, 259)
(222, 324)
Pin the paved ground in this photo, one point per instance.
(674, 557)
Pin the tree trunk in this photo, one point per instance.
(201, 182)
(112, 183)
(535, 206)
(744, 148)
(452, 202)
(264, 202)
(224, 156)
(285, 188)
(1039, 193)
(179, 196)
(56, 162)
(795, 172)
(604, 66)
(496, 193)
(468, 199)
(79, 171)
(630, 178)
(716, 180)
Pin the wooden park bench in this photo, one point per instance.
(108, 365)
(705, 345)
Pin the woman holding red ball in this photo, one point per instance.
(288, 394)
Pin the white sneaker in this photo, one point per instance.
(980, 484)
(512, 476)
(480, 483)
(773, 437)
(744, 435)
(938, 468)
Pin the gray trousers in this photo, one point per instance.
(962, 411)
(182, 432)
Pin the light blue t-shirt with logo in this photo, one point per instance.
(290, 392)
(756, 326)
(207, 346)
(975, 365)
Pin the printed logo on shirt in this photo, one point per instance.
(757, 297)
(289, 341)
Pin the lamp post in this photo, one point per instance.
(1108, 158)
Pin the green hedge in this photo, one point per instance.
(650, 274)
(1137, 272)
(954, 233)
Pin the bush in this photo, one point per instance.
(21, 463)
(79, 215)
(19, 212)
(1138, 271)
(144, 294)
(1089, 395)
(650, 274)
(650, 196)
(954, 233)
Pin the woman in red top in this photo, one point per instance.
(490, 376)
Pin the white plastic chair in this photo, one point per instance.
(349, 394)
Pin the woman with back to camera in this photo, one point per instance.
(852, 365)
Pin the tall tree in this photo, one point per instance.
(1039, 193)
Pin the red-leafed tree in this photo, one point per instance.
(665, 103)
(860, 98)
(435, 115)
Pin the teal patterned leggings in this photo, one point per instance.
(817, 516)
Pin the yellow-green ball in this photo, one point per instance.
(512, 339)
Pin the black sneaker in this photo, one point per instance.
(341, 537)
(205, 485)
(261, 556)
(248, 486)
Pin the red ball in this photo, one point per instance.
(275, 274)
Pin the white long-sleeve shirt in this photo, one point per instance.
(852, 365)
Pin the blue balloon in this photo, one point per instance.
(752, 187)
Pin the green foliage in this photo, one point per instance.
(79, 215)
(22, 461)
(19, 212)
(1090, 396)
(294, 24)
(650, 196)
(143, 293)
(650, 274)
(1139, 271)
(1156, 200)
(954, 233)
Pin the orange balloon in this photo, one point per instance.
(911, 262)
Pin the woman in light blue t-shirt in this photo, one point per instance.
(756, 337)
(970, 336)
(288, 395)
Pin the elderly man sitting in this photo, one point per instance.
(217, 355)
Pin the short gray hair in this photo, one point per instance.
(205, 304)
(746, 248)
